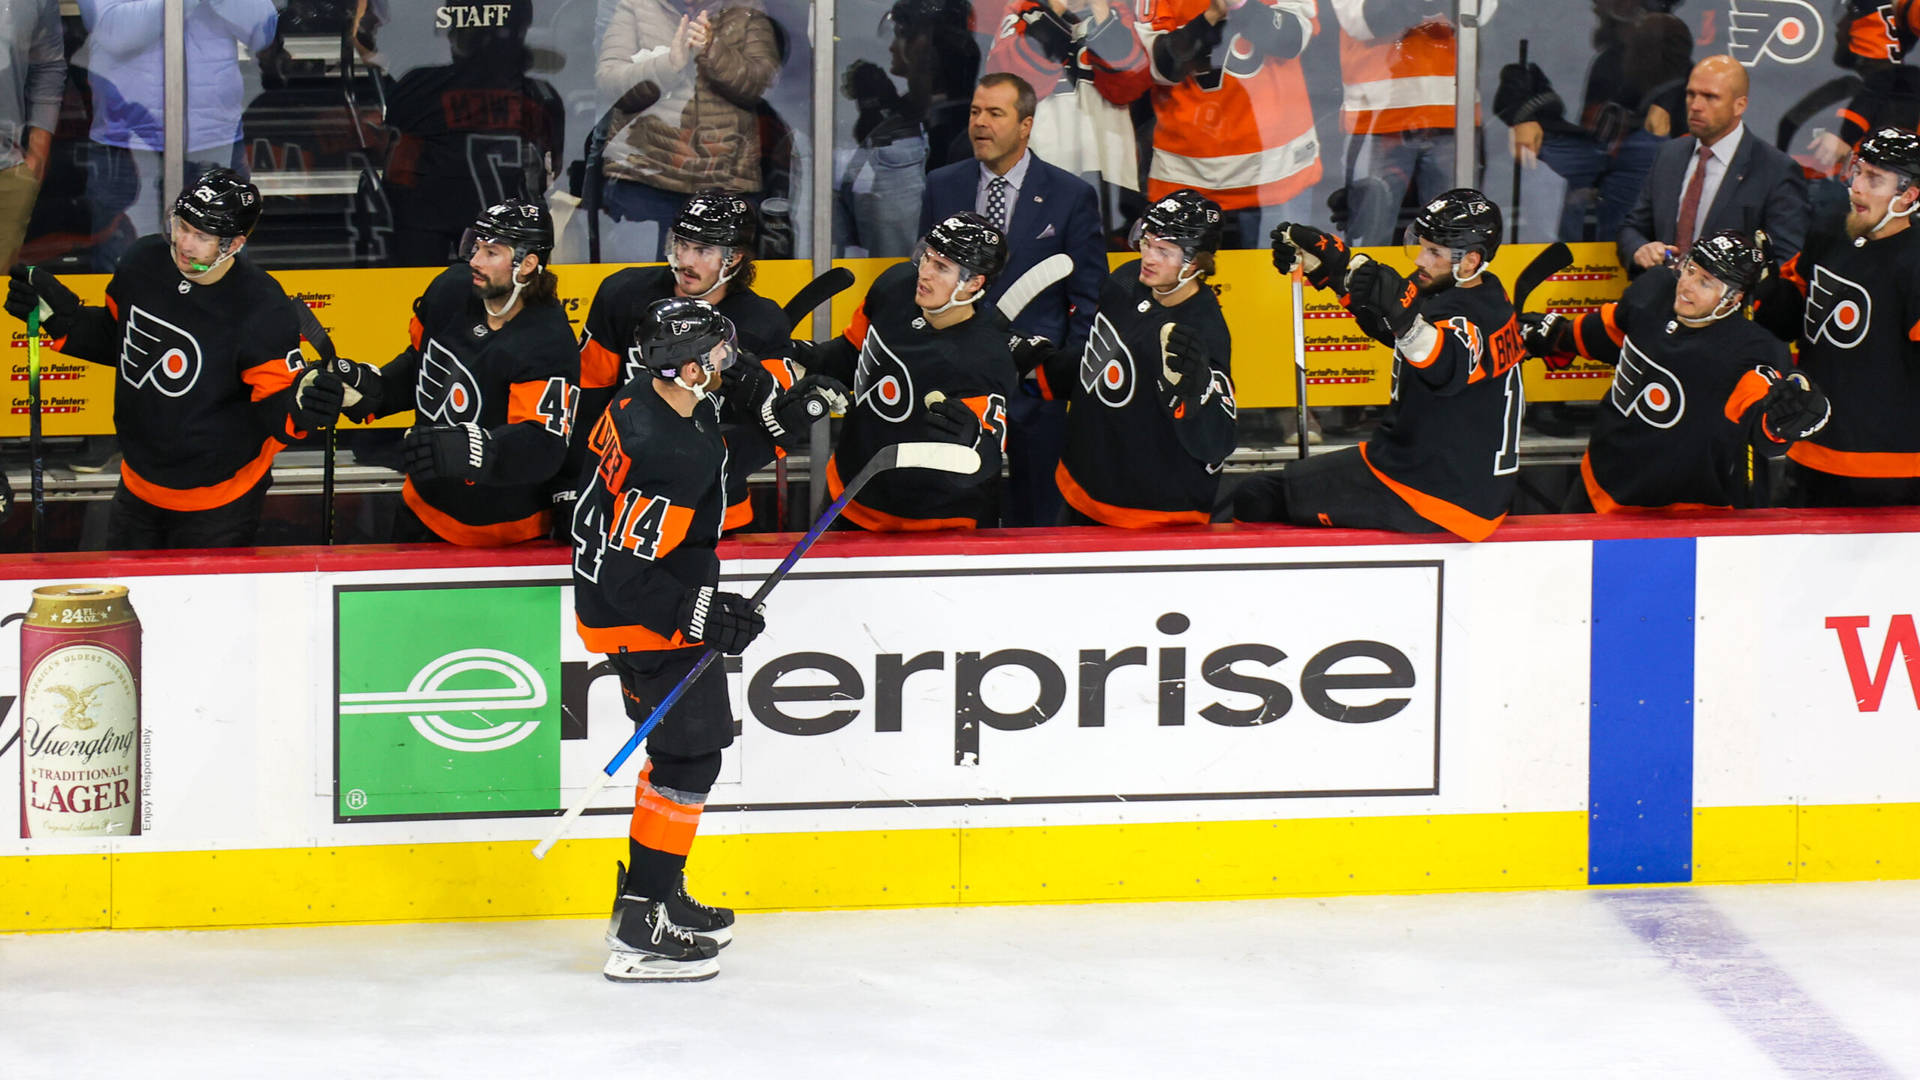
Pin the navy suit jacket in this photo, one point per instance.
(1763, 189)
(1056, 211)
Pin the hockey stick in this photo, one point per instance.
(816, 292)
(34, 444)
(1300, 355)
(938, 456)
(1513, 234)
(1045, 273)
(1554, 258)
(322, 343)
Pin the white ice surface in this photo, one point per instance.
(1470, 985)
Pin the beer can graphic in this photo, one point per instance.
(80, 713)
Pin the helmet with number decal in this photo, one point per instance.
(680, 330)
(1183, 217)
(221, 203)
(1460, 220)
(521, 224)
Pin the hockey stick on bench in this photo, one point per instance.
(939, 456)
(1039, 279)
(814, 293)
(1552, 259)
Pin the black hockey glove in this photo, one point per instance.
(363, 393)
(1549, 336)
(790, 416)
(1323, 256)
(951, 421)
(1793, 408)
(1030, 352)
(746, 387)
(1185, 364)
(722, 620)
(57, 303)
(317, 395)
(457, 452)
(1379, 291)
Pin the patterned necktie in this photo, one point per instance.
(1690, 200)
(997, 202)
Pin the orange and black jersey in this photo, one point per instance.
(518, 382)
(609, 360)
(647, 521)
(1449, 445)
(1673, 430)
(893, 357)
(205, 375)
(1859, 322)
(1137, 454)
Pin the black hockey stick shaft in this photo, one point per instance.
(34, 444)
(1513, 233)
(322, 343)
(816, 292)
(1556, 257)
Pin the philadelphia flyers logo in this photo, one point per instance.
(1789, 31)
(446, 390)
(159, 354)
(1837, 309)
(1645, 389)
(1106, 367)
(882, 382)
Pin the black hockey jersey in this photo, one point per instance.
(1859, 326)
(1449, 445)
(901, 358)
(647, 521)
(519, 382)
(609, 360)
(1137, 455)
(1673, 430)
(206, 372)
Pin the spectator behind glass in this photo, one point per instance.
(878, 196)
(471, 134)
(685, 80)
(1232, 119)
(36, 56)
(129, 104)
(1635, 90)
(934, 50)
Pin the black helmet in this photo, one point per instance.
(1184, 217)
(970, 240)
(522, 225)
(679, 329)
(1462, 220)
(1737, 260)
(220, 203)
(1894, 150)
(715, 217)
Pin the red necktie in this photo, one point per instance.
(1690, 202)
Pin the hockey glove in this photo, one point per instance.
(363, 391)
(57, 303)
(1030, 352)
(1323, 256)
(722, 620)
(1548, 336)
(1793, 408)
(458, 452)
(949, 420)
(1379, 291)
(790, 416)
(1185, 364)
(317, 395)
(746, 387)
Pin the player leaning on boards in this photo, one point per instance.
(1853, 300)
(1447, 453)
(208, 351)
(1694, 383)
(710, 258)
(645, 580)
(1151, 414)
(490, 372)
(927, 363)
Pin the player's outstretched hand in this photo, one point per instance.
(1030, 352)
(1549, 336)
(1793, 408)
(951, 421)
(1378, 290)
(726, 621)
(790, 416)
(1186, 363)
(747, 387)
(317, 395)
(448, 452)
(28, 288)
(364, 391)
(1322, 255)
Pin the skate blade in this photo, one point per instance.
(638, 967)
(720, 938)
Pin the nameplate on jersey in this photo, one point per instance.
(447, 391)
(159, 354)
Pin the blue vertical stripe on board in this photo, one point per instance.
(1640, 737)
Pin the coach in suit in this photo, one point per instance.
(1720, 176)
(1043, 210)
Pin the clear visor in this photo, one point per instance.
(1872, 179)
(960, 271)
(1410, 246)
(718, 358)
(1139, 236)
(681, 248)
(471, 240)
(1695, 274)
(207, 250)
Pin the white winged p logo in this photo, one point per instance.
(1789, 31)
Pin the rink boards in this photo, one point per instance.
(1029, 716)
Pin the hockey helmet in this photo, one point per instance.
(1460, 220)
(221, 203)
(970, 240)
(521, 224)
(1183, 217)
(1894, 150)
(715, 217)
(1736, 259)
(681, 329)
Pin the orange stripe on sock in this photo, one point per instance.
(659, 822)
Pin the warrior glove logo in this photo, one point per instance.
(447, 391)
(882, 382)
(1838, 310)
(1789, 31)
(158, 352)
(1106, 367)
(1643, 387)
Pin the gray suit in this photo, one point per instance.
(1762, 189)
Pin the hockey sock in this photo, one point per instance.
(666, 814)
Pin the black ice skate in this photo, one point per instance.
(714, 924)
(648, 946)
